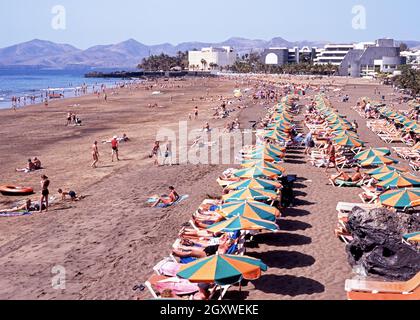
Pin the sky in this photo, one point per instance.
(93, 22)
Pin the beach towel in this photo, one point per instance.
(15, 214)
(162, 205)
(170, 269)
(178, 286)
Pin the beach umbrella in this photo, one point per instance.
(271, 148)
(342, 133)
(264, 156)
(275, 149)
(255, 184)
(276, 135)
(222, 269)
(372, 152)
(400, 198)
(283, 116)
(258, 172)
(249, 209)
(386, 176)
(347, 141)
(378, 161)
(261, 163)
(383, 169)
(238, 223)
(340, 126)
(412, 237)
(251, 194)
(400, 181)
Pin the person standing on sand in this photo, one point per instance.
(168, 154)
(156, 152)
(114, 146)
(95, 154)
(45, 183)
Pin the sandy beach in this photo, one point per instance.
(111, 240)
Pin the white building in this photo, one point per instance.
(412, 57)
(207, 58)
(333, 54)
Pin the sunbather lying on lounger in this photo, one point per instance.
(197, 252)
(343, 176)
(207, 218)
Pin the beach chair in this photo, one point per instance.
(158, 267)
(347, 184)
(415, 165)
(368, 196)
(391, 138)
(377, 290)
(154, 280)
(345, 208)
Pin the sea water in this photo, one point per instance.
(19, 82)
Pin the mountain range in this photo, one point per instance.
(127, 54)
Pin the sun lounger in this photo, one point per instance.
(377, 290)
(165, 267)
(344, 208)
(390, 138)
(347, 184)
(369, 196)
(180, 287)
(415, 165)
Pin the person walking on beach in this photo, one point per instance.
(309, 143)
(45, 183)
(156, 152)
(114, 146)
(331, 155)
(95, 154)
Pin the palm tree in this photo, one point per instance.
(203, 63)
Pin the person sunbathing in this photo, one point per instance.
(197, 252)
(167, 200)
(356, 177)
(190, 233)
(27, 207)
(37, 164)
(31, 167)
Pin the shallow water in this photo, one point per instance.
(33, 82)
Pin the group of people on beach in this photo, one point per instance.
(156, 154)
(22, 101)
(73, 119)
(33, 165)
(115, 142)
